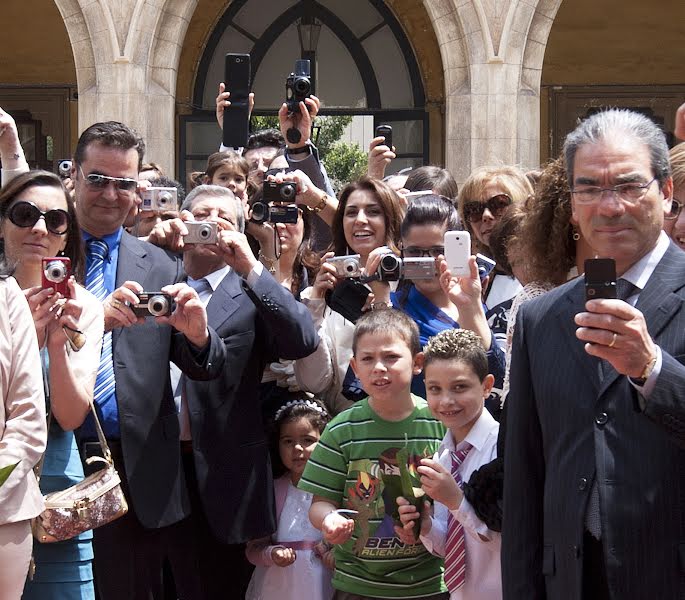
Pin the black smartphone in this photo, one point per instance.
(386, 132)
(238, 77)
(600, 278)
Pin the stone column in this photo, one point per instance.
(126, 54)
(492, 54)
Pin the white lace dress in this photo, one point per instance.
(307, 577)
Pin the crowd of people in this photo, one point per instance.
(321, 408)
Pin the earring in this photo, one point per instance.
(576, 235)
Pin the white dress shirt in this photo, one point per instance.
(483, 572)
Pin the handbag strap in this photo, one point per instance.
(106, 453)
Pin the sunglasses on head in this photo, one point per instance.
(100, 182)
(474, 209)
(26, 214)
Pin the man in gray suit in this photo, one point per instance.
(594, 491)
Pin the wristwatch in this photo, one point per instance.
(646, 372)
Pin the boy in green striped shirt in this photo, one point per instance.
(355, 467)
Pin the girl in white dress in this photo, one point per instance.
(294, 563)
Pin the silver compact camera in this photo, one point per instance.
(394, 268)
(155, 304)
(64, 168)
(200, 232)
(159, 199)
(347, 266)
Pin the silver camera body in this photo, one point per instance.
(201, 232)
(347, 266)
(394, 268)
(160, 198)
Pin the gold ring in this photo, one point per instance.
(613, 340)
(115, 303)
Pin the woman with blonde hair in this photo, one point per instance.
(674, 222)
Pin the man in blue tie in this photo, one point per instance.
(224, 446)
(133, 390)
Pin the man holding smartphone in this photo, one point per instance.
(594, 485)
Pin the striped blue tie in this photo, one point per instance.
(95, 284)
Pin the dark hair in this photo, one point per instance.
(390, 204)
(457, 345)
(110, 134)
(265, 138)
(624, 123)
(430, 210)
(437, 179)
(164, 181)
(504, 233)
(388, 320)
(227, 158)
(546, 234)
(74, 248)
(298, 407)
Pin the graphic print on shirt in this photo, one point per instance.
(373, 493)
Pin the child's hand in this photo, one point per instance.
(439, 484)
(408, 517)
(325, 554)
(336, 529)
(283, 557)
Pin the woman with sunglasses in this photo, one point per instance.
(485, 196)
(366, 223)
(37, 221)
(442, 303)
(674, 222)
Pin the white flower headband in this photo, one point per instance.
(308, 403)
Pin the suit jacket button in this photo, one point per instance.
(576, 551)
(601, 419)
(582, 484)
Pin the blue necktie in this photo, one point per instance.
(103, 396)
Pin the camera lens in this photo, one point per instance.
(301, 86)
(259, 212)
(158, 305)
(204, 232)
(288, 191)
(164, 199)
(350, 266)
(55, 271)
(389, 262)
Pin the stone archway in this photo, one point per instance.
(493, 54)
(126, 55)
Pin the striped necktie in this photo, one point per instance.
(455, 547)
(95, 283)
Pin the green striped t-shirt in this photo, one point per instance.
(356, 452)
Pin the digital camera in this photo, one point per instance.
(56, 272)
(64, 168)
(155, 304)
(347, 266)
(159, 199)
(285, 191)
(200, 232)
(298, 86)
(394, 268)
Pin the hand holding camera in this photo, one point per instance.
(300, 107)
(118, 311)
(380, 156)
(236, 251)
(188, 314)
(175, 234)
(222, 102)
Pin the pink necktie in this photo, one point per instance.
(455, 547)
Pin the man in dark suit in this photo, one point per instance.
(226, 453)
(594, 491)
(133, 392)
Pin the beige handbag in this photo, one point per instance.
(91, 503)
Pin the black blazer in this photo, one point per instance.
(230, 447)
(148, 419)
(567, 424)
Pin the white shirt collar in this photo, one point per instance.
(642, 270)
(477, 436)
(216, 277)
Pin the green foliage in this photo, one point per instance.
(344, 162)
(5, 472)
(269, 122)
(327, 131)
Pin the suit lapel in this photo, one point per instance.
(132, 264)
(658, 302)
(222, 304)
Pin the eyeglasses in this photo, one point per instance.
(474, 209)
(676, 207)
(100, 182)
(416, 252)
(628, 192)
(26, 214)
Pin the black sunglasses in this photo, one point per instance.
(474, 209)
(416, 252)
(26, 214)
(100, 182)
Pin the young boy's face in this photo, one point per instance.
(455, 394)
(384, 364)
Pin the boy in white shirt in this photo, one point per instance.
(457, 383)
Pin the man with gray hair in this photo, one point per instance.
(595, 427)
(223, 445)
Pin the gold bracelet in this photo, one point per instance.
(321, 205)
